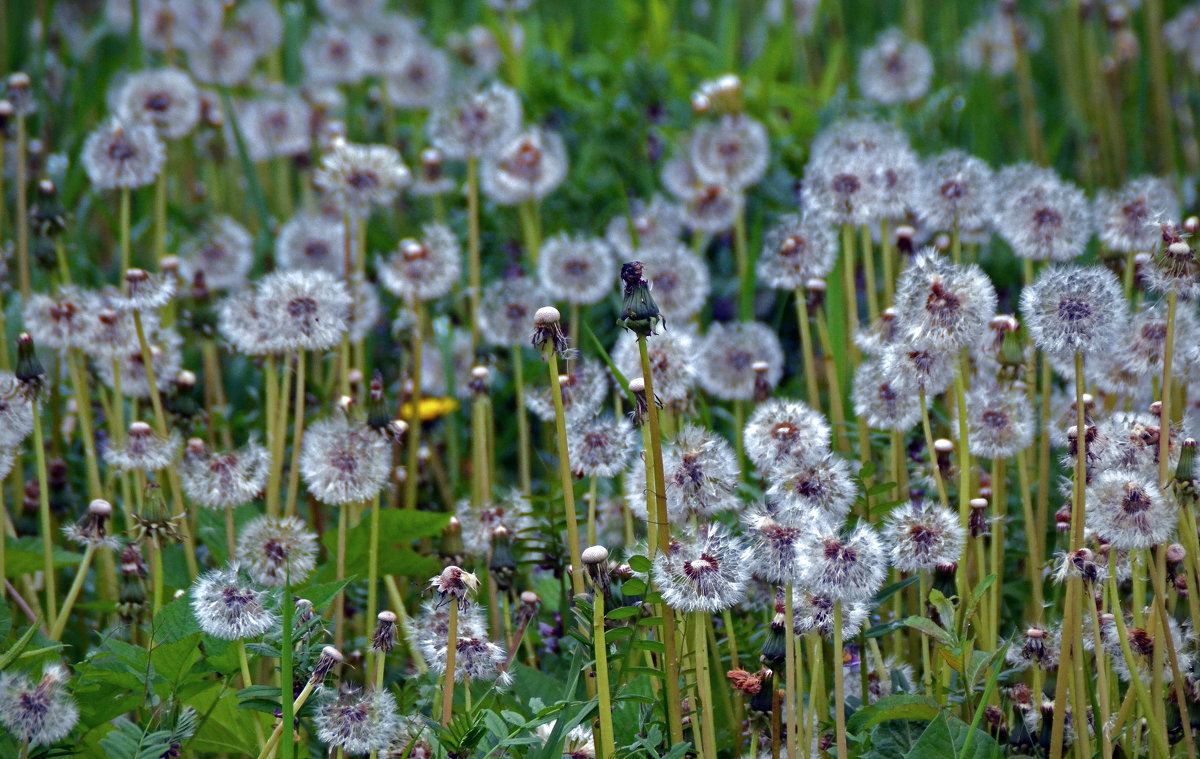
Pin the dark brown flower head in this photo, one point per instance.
(639, 313)
(384, 638)
(454, 583)
(547, 330)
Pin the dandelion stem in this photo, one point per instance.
(125, 223)
(789, 670)
(1164, 438)
(339, 601)
(841, 443)
(473, 253)
(868, 255)
(806, 349)
(451, 653)
(285, 664)
(564, 472)
(413, 435)
(273, 741)
(373, 565)
(83, 409)
(600, 647)
(160, 218)
(523, 472)
(60, 623)
(39, 452)
(850, 290)
(271, 413)
(671, 663)
(742, 256)
(297, 436)
(1032, 538)
(1143, 697)
(704, 685)
(21, 222)
(230, 533)
(937, 472)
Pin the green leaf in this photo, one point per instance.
(623, 612)
(891, 590)
(174, 660)
(633, 587)
(894, 739)
(927, 626)
(640, 563)
(893, 708)
(5, 621)
(11, 654)
(174, 622)
(976, 597)
(24, 556)
(398, 528)
(947, 736)
(945, 608)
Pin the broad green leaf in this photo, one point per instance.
(9, 656)
(893, 708)
(24, 556)
(927, 626)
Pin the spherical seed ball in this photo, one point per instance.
(1041, 216)
(879, 403)
(895, 69)
(474, 125)
(228, 609)
(1128, 510)
(166, 98)
(529, 166)
(795, 250)
(923, 536)
(601, 446)
(356, 722)
(310, 241)
(223, 251)
(276, 550)
(577, 269)
(679, 280)
(954, 191)
(1070, 310)
(733, 150)
(727, 356)
(360, 177)
(344, 464)
(782, 429)
(999, 421)
(942, 305)
(123, 154)
(672, 361)
(505, 310)
(423, 269)
(847, 567)
(421, 78)
(707, 573)
(41, 714)
(1127, 217)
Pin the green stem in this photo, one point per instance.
(525, 480)
(126, 261)
(806, 349)
(373, 566)
(1155, 730)
(742, 256)
(39, 451)
(297, 436)
(451, 653)
(274, 443)
(704, 685)
(850, 291)
(21, 222)
(789, 671)
(83, 409)
(1164, 440)
(413, 436)
(600, 646)
(160, 218)
(285, 666)
(937, 472)
(60, 623)
(473, 253)
(339, 601)
(564, 473)
(670, 661)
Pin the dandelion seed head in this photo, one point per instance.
(311, 242)
(16, 412)
(941, 305)
(513, 512)
(990, 44)
(879, 403)
(356, 722)
(225, 58)
(656, 224)
(274, 550)
(474, 125)
(92, 529)
(143, 450)
(814, 613)
(223, 251)
(1070, 310)
(40, 714)
(954, 191)
(584, 389)
(123, 155)
(506, 308)
(360, 177)
(1174, 268)
(529, 166)
(1128, 510)
(58, 321)
(420, 77)
(423, 269)
(576, 269)
(910, 371)
(923, 536)
(672, 363)
(343, 464)
(306, 310)
(678, 279)
(229, 609)
(701, 474)
(846, 566)
(797, 249)
(999, 421)
(705, 573)
(782, 429)
(775, 543)
(600, 447)
(815, 488)
(1036, 647)
(1040, 216)
(1126, 217)
(894, 69)
(333, 55)
(273, 127)
(733, 151)
(728, 353)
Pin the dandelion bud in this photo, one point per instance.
(1185, 469)
(1062, 518)
(815, 288)
(762, 383)
(942, 242)
(384, 638)
(92, 528)
(700, 103)
(530, 603)
(47, 217)
(977, 521)
(503, 564)
(942, 449)
(1181, 587)
(378, 416)
(904, 239)
(761, 701)
(329, 658)
(640, 312)
(1191, 225)
(30, 372)
(774, 647)
(637, 387)
(19, 89)
(7, 111)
